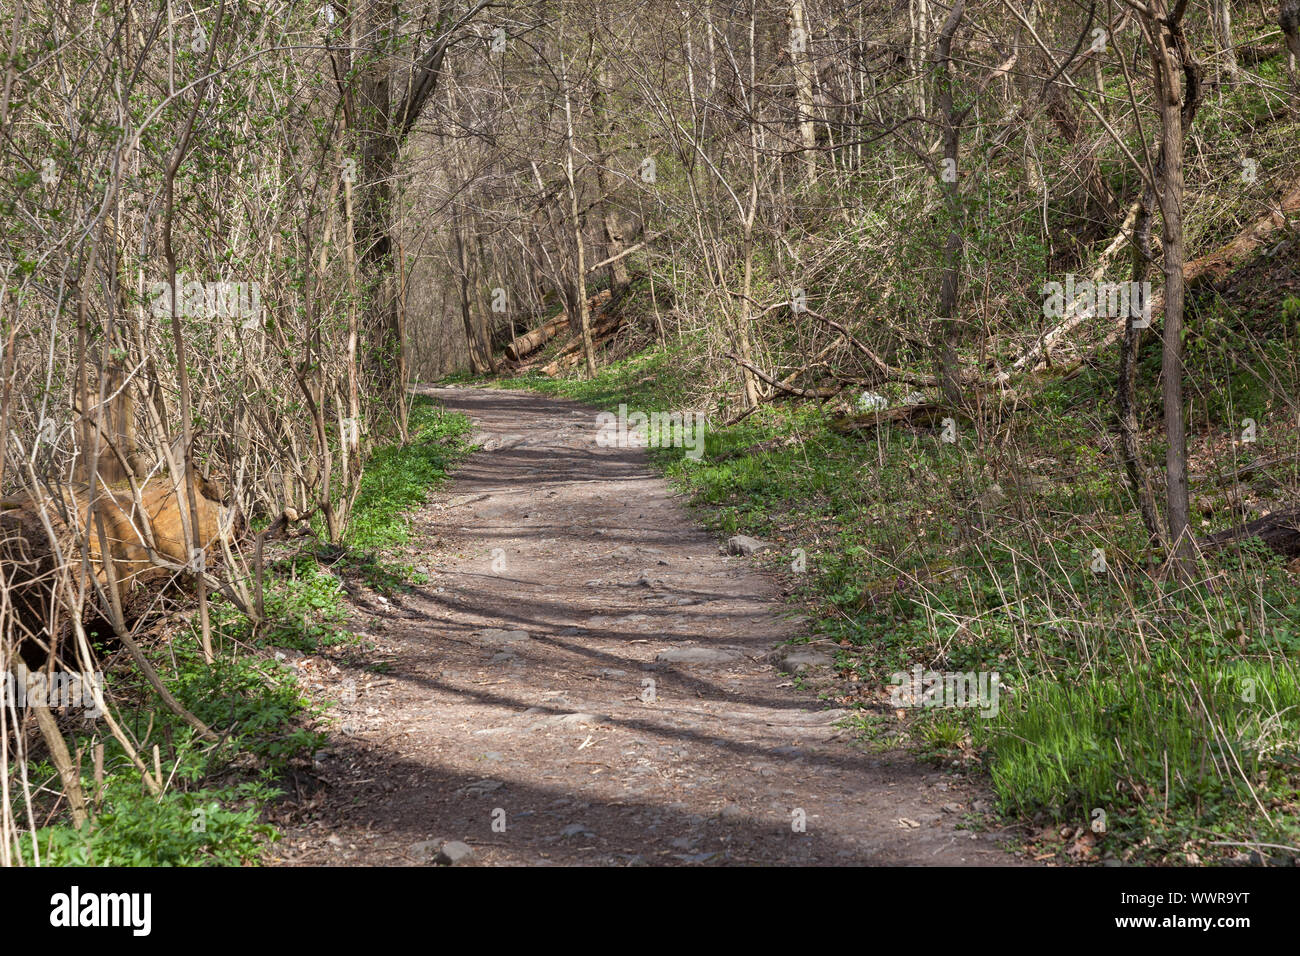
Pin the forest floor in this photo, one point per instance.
(587, 679)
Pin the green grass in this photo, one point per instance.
(1170, 732)
(398, 478)
(1112, 680)
(209, 814)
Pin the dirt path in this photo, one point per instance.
(515, 688)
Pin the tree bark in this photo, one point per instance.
(947, 367)
(1170, 57)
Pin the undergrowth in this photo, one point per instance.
(211, 809)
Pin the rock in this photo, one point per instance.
(480, 788)
(576, 829)
(630, 552)
(744, 544)
(731, 814)
(582, 719)
(801, 657)
(699, 655)
(495, 637)
(453, 852)
(425, 850)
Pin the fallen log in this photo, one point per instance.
(570, 351)
(560, 364)
(1207, 269)
(1279, 531)
(133, 550)
(924, 414)
(532, 341)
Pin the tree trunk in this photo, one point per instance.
(947, 368)
(1168, 47)
(803, 87)
(610, 218)
(1126, 411)
(579, 280)
(477, 360)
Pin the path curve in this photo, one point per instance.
(513, 712)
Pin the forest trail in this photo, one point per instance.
(519, 694)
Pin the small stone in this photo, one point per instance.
(495, 637)
(744, 544)
(801, 657)
(480, 788)
(425, 850)
(582, 719)
(731, 814)
(699, 655)
(453, 852)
